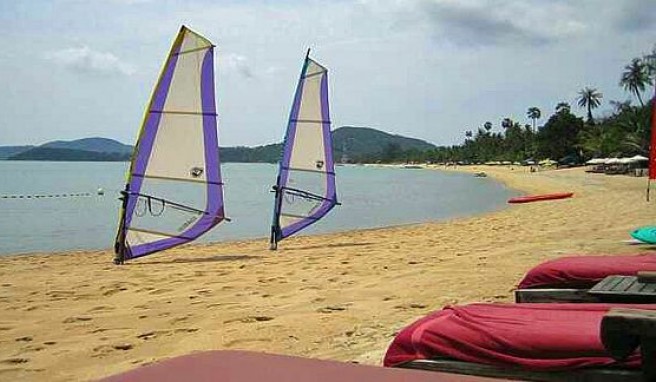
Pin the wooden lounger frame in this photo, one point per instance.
(622, 331)
(626, 289)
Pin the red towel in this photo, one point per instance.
(539, 337)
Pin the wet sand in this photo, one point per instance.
(76, 316)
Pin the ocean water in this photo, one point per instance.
(54, 206)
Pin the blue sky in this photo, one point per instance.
(429, 69)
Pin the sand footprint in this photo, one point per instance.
(250, 319)
(76, 319)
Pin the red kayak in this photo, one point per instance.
(538, 198)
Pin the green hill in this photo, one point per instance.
(352, 144)
(364, 144)
(68, 155)
(96, 144)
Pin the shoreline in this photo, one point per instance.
(337, 296)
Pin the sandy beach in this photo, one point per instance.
(76, 316)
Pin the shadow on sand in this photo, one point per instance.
(212, 259)
(324, 246)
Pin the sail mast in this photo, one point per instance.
(305, 187)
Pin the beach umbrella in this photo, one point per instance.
(639, 158)
(612, 161)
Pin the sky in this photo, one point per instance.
(429, 69)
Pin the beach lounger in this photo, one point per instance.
(536, 342)
(242, 366)
(586, 278)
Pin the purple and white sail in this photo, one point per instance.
(174, 191)
(305, 188)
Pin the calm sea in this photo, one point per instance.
(69, 214)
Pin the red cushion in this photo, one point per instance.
(538, 337)
(585, 271)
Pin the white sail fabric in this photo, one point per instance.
(174, 193)
(305, 189)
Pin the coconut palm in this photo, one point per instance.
(562, 107)
(534, 114)
(487, 126)
(506, 123)
(635, 77)
(589, 98)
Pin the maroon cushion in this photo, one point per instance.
(242, 366)
(538, 337)
(585, 271)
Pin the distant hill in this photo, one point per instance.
(100, 145)
(364, 144)
(353, 144)
(50, 154)
(7, 151)
(262, 154)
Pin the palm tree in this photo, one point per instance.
(534, 114)
(589, 98)
(506, 123)
(487, 126)
(468, 134)
(562, 107)
(635, 77)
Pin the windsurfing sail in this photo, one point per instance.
(174, 191)
(305, 188)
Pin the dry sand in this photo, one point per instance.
(341, 296)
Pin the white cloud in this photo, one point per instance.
(88, 60)
(237, 63)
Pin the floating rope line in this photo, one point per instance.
(100, 192)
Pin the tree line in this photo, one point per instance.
(565, 137)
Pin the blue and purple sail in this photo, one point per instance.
(174, 191)
(305, 189)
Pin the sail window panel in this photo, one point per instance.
(172, 208)
(184, 93)
(304, 194)
(178, 150)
